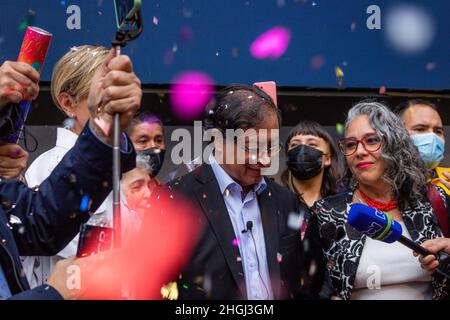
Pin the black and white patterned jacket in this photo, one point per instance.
(342, 245)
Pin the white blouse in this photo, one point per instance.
(389, 271)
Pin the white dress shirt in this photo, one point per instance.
(252, 246)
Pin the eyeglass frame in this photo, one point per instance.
(358, 141)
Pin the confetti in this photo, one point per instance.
(84, 205)
(23, 25)
(353, 26)
(281, 3)
(234, 53)
(198, 280)
(272, 44)
(189, 94)
(155, 21)
(235, 242)
(317, 62)
(340, 128)
(28, 21)
(72, 178)
(169, 57)
(279, 257)
(295, 221)
(382, 90)
(431, 66)
(186, 33)
(409, 29)
(339, 73)
(187, 13)
(14, 220)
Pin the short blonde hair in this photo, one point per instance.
(73, 73)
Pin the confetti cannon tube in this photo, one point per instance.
(33, 51)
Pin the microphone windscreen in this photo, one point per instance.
(374, 223)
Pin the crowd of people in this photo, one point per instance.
(258, 239)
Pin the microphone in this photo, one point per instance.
(249, 227)
(380, 226)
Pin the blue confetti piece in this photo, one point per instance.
(84, 203)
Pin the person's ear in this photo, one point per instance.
(327, 160)
(67, 104)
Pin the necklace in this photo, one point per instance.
(382, 206)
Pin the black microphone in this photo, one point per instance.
(249, 227)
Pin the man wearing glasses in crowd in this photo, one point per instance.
(247, 248)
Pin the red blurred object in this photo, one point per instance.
(149, 259)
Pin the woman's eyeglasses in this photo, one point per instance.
(370, 143)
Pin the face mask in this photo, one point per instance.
(154, 158)
(431, 148)
(304, 162)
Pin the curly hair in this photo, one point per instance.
(405, 172)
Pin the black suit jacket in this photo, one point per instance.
(215, 271)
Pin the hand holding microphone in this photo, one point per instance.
(429, 262)
(380, 226)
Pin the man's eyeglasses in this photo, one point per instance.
(370, 142)
(260, 151)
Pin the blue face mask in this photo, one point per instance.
(431, 148)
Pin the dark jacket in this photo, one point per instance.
(214, 271)
(44, 219)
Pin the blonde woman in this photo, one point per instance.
(71, 80)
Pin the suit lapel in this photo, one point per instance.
(269, 218)
(211, 200)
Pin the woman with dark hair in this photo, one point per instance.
(313, 166)
(386, 173)
(313, 172)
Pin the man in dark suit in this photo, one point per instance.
(250, 245)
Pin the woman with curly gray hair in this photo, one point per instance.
(386, 173)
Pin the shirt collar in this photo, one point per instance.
(65, 138)
(225, 181)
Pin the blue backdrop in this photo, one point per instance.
(214, 36)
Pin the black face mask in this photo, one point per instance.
(304, 162)
(154, 158)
